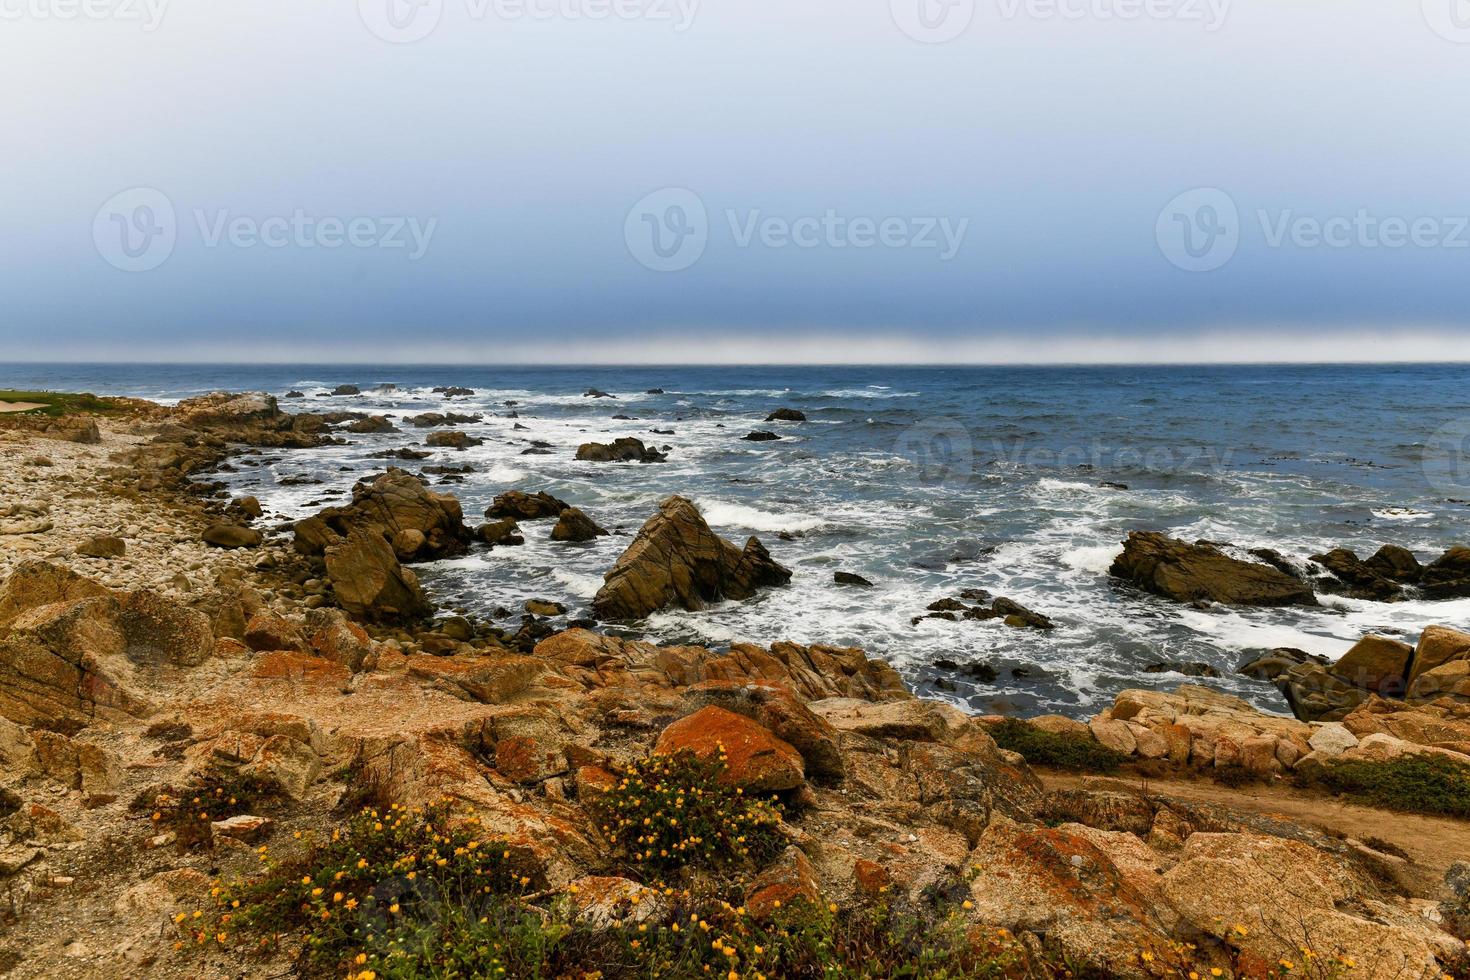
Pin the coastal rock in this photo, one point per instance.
(851, 578)
(369, 582)
(777, 708)
(347, 390)
(761, 437)
(453, 440)
(1276, 663)
(1449, 576)
(371, 425)
(786, 415)
(1437, 646)
(232, 536)
(1396, 563)
(39, 583)
(523, 506)
(223, 408)
(755, 760)
(1191, 572)
(676, 560)
(1377, 664)
(1315, 693)
(387, 506)
(1451, 680)
(1358, 579)
(500, 533)
(574, 525)
(624, 450)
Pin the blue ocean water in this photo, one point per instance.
(927, 481)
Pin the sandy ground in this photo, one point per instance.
(6, 408)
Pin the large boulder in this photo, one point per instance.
(676, 560)
(1192, 572)
(1438, 645)
(39, 583)
(1449, 576)
(1356, 578)
(1377, 664)
(370, 583)
(574, 525)
(754, 759)
(223, 408)
(393, 503)
(624, 450)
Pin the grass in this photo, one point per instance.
(1413, 783)
(1055, 751)
(409, 895)
(669, 812)
(57, 404)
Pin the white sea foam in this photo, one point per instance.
(578, 584)
(724, 513)
(1097, 558)
(1401, 514)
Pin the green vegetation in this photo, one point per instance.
(671, 811)
(1053, 750)
(1412, 783)
(57, 404)
(412, 895)
(189, 811)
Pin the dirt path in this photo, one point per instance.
(1432, 843)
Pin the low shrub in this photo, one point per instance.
(57, 404)
(668, 812)
(189, 811)
(1055, 750)
(1424, 783)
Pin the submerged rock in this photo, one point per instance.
(676, 560)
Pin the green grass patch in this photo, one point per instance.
(57, 404)
(1055, 751)
(1413, 783)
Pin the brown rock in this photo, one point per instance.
(1449, 576)
(676, 560)
(370, 583)
(1376, 663)
(755, 760)
(39, 583)
(102, 546)
(521, 506)
(788, 880)
(269, 631)
(453, 440)
(232, 536)
(778, 709)
(388, 506)
(500, 533)
(573, 525)
(1438, 645)
(1191, 572)
(625, 450)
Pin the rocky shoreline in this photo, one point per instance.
(159, 642)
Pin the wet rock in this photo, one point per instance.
(386, 506)
(786, 415)
(574, 525)
(761, 437)
(1449, 576)
(624, 450)
(1358, 579)
(676, 560)
(453, 440)
(526, 507)
(371, 425)
(849, 578)
(1190, 572)
(1396, 563)
(500, 533)
(596, 393)
(545, 607)
(1190, 669)
(1276, 663)
(347, 390)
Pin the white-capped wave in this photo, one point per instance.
(723, 513)
(1096, 558)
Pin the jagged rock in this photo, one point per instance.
(755, 760)
(1276, 663)
(1188, 669)
(387, 506)
(850, 578)
(371, 425)
(1191, 572)
(522, 506)
(1018, 615)
(270, 631)
(785, 881)
(608, 903)
(1398, 564)
(786, 415)
(1315, 693)
(369, 582)
(573, 525)
(676, 560)
(777, 708)
(500, 533)
(1359, 579)
(543, 607)
(38, 583)
(1438, 645)
(624, 450)
(1451, 680)
(761, 437)
(224, 408)
(347, 390)
(1449, 576)
(336, 639)
(232, 536)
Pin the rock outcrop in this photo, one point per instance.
(574, 525)
(392, 506)
(624, 450)
(676, 560)
(1194, 572)
(522, 506)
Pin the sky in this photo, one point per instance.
(710, 180)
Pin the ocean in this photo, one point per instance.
(926, 481)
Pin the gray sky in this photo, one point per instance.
(768, 180)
